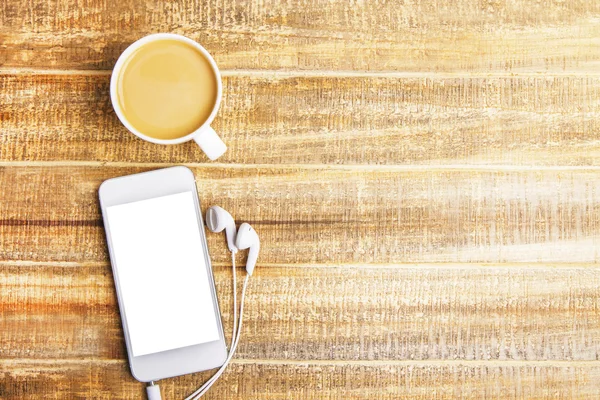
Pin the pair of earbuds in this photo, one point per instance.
(219, 220)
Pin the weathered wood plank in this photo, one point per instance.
(425, 121)
(327, 215)
(418, 313)
(102, 380)
(433, 35)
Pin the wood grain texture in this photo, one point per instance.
(423, 176)
(418, 313)
(531, 121)
(86, 379)
(430, 35)
(328, 215)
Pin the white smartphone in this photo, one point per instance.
(162, 272)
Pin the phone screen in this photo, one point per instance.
(162, 274)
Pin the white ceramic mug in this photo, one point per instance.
(204, 136)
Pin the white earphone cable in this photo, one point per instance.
(201, 391)
(234, 299)
(153, 391)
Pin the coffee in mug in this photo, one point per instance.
(166, 89)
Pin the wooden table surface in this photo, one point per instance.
(424, 176)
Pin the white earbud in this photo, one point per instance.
(217, 220)
(247, 238)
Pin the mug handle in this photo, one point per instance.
(210, 143)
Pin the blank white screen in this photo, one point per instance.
(162, 274)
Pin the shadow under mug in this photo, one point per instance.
(205, 136)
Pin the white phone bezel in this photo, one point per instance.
(143, 186)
